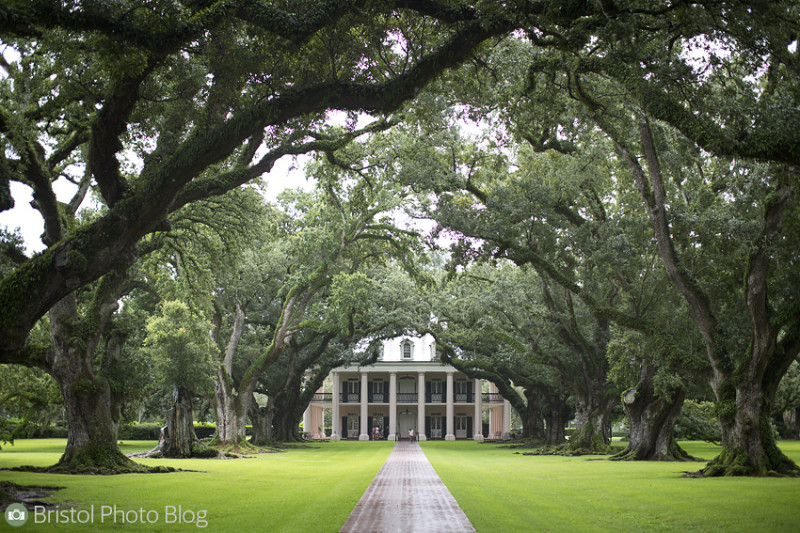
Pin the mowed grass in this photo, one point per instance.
(305, 489)
(314, 489)
(505, 492)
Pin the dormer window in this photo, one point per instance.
(407, 350)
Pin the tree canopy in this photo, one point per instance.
(631, 196)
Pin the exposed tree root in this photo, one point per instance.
(643, 453)
(198, 451)
(736, 462)
(520, 443)
(241, 449)
(571, 451)
(94, 470)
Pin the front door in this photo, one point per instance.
(406, 421)
(353, 424)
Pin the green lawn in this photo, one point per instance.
(501, 491)
(314, 489)
(298, 490)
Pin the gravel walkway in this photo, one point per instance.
(407, 496)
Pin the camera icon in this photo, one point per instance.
(16, 514)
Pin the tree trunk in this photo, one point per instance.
(92, 415)
(261, 418)
(556, 415)
(791, 419)
(531, 415)
(286, 422)
(179, 433)
(230, 414)
(590, 418)
(748, 442)
(652, 420)
(231, 403)
(92, 423)
(555, 427)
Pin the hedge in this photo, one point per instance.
(134, 431)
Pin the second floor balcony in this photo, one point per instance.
(407, 397)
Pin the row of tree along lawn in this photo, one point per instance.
(622, 231)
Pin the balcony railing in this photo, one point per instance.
(440, 397)
(406, 397)
(322, 397)
(491, 397)
(351, 397)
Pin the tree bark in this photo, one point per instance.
(556, 415)
(230, 413)
(591, 418)
(791, 419)
(230, 407)
(287, 416)
(531, 415)
(652, 420)
(555, 427)
(748, 441)
(92, 422)
(261, 418)
(91, 412)
(179, 433)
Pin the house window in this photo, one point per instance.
(407, 349)
(436, 427)
(461, 426)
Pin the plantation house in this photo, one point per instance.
(408, 388)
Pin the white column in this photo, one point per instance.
(307, 429)
(494, 419)
(477, 419)
(392, 405)
(336, 420)
(320, 423)
(364, 435)
(421, 408)
(451, 435)
(506, 419)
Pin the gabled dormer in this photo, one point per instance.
(407, 350)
